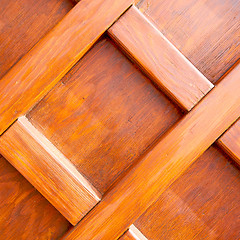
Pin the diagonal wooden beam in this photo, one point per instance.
(48, 170)
(162, 165)
(159, 59)
(39, 70)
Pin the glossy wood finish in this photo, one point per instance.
(48, 170)
(165, 65)
(54, 55)
(176, 151)
(23, 23)
(207, 32)
(103, 115)
(24, 213)
(204, 203)
(133, 234)
(230, 141)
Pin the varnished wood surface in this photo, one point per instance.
(24, 213)
(207, 32)
(165, 65)
(23, 23)
(204, 203)
(39, 70)
(230, 141)
(103, 115)
(176, 151)
(133, 234)
(48, 170)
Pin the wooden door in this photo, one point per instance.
(119, 119)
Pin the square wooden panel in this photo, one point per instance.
(103, 115)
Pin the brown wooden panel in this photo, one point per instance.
(165, 65)
(103, 115)
(207, 32)
(24, 213)
(174, 153)
(48, 170)
(230, 141)
(133, 234)
(23, 23)
(204, 203)
(39, 70)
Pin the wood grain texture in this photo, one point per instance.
(165, 65)
(38, 71)
(48, 170)
(207, 32)
(25, 213)
(163, 164)
(204, 203)
(23, 23)
(230, 141)
(103, 115)
(133, 234)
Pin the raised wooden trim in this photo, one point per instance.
(133, 234)
(48, 170)
(39, 70)
(173, 154)
(163, 62)
(230, 141)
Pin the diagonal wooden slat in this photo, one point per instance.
(48, 170)
(39, 70)
(230, 141)
(164, 63)
(133, 234)
(174, 153)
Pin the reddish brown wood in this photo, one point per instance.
(23, 23)
(202, 204)
(25, 214)
(54, 55)
(103, 115)
(165, 65)
(230, 141)
(176, 151)
(207, 32)
(48, 170)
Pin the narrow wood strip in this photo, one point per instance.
(165, 65)
(48, 170)
(39, 70)
(230, 141)
(174, 153)
(133, 234)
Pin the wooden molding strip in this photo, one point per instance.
(48, 170)
(42, 67)
(155, 171)
(162, 62)
(230, 141)
(133, 234)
